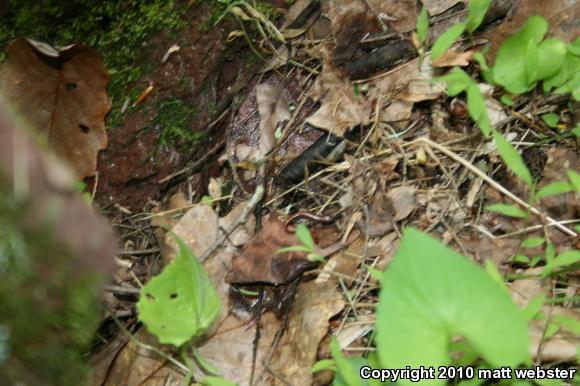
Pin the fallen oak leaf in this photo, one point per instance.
(273, 108)
(62, 94)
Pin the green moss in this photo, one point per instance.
(119, 30)
(174, 118)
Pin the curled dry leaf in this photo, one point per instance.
(273, 108)
(386, 209)
(260, 262)
(62, 96)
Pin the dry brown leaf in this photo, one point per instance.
(260, 262)
(63, 97)
(273, 108)
(400, 14)
(453, 58)
(340, 109)
(435, 7)
(314, 304)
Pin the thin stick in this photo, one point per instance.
(256, 198)
(494, 184)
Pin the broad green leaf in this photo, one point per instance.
(570, 67)
(477, 109)
(324, 364)
(532, 60)
(553, 189)
(476, 13)
(430, 295)
(216, 381)
(422, 25)
(533, 242)
(562, 260)
(294, 248)
(347, 371)
(512, 158)
(492, 271)
(574, 179)
(304, 236)
(572, 86)
(508, 210)
(551, 119)
(534, 306)
(446, 39)
(574, 47)
(457, 81)
(551, 54)
(180, 303)
(510, 68)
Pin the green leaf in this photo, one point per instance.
(324, 364)
(446, 39)
(550, 252)
(510, 64)
(532, 59)
(551, 54)
(562, 260)
(533, 242)
(429, 295)
(576, 131)
(304, 236)
(347, 372)
(508, 210)
(180, 303)
(507, 100)
(477, 109)
(534, 306)
(553, 189)
(492, 271)
(316, 257)
(569, 323)
(457, 81)
(568, 70)
(476, 13)
(551, 119)
(294, 248)
(574, 179)
(422, 25)
(512, 158)
(216, 381)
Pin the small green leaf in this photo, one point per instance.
(532, 58)
(576, 131)
(180, 303)
(315, 257)
(457, 81)
(562, 260)
(550, 252)
(574, 179)
(446, 40)
(534, 306)
(477, 109)
(476, 13)
(551, 119)
(512, 158)
(294, 248)
(375, 273)
(551, 329)
(216, 381)
(533, 242)
(507, 100)
(430, 295)
(322, 365)
(347, 372)
(508, 210)
(569, 323)
(553, 189)
(304, 236)
(522, 259)
(422, 25)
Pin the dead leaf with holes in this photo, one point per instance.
(273, 109)
(62, 94)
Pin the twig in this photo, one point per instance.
(495, 184)
(138, 252)
(257, 197)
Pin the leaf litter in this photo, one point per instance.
(405, 164)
